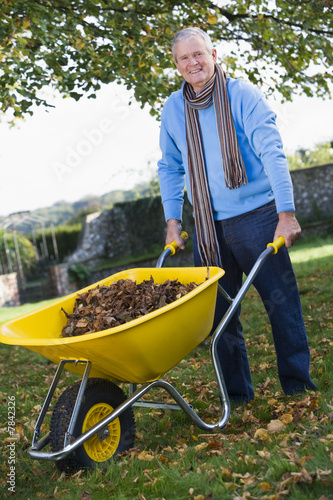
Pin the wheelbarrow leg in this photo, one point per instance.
(43, 442)
(77, 405)
(47, 403)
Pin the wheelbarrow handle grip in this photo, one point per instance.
(277, 244)
(173, 245)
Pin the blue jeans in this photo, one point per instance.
(241, 240)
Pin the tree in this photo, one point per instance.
(16, 254)
(321, 154)
(74, 46)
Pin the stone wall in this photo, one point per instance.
(313, 191)
(9, 290)
(59, 283)
(131, 228)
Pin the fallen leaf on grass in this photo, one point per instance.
(201, 446)
(287, 418)
(249, 417)
(264, 453)
(151, 483)
(297, 477)
(265, 486)
(262, 434)
(272, 402)
(284, 441)
(303, 476)
(85, 496)
(146, 456)
(275, 426)
(225, 472)
(291, 455)
(321, 474)
(247, 479)
(327, 439)
(302, 460)
(163, 459)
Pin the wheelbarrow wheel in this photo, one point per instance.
(100, 398)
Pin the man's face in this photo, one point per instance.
(194, 61)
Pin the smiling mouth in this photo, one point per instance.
(195, 71)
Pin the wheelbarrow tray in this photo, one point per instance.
(139, 351)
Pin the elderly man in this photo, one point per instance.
(220, 135)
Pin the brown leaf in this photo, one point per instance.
(85, 496)
(302, 477)
(275, 426)
(301, 461)
(262, 434)
(146, 456)
(264, 453)
(247, 479)
(265, 486)
(286, 418)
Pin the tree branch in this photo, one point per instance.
(233, 17)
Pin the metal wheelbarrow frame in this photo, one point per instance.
(101, 429)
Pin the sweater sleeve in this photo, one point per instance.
(265, 140)
(171, 176)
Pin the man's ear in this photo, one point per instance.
(214, 54)
(176, 64)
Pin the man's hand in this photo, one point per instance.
(288, 227)
(174, 229)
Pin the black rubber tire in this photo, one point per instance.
(97, 391)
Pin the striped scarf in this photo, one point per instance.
(215, 90)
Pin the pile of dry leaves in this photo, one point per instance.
(105, 307)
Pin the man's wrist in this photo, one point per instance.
(287, 215)
(174, 221)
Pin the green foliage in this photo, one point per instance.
(79, 274)
(76, 45)
(67, 237)
(142, 214)
(26, 252)
(305, 158)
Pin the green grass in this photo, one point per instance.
(316, 247)
(7, 313)
(175, 460)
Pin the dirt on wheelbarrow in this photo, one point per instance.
(105, 307)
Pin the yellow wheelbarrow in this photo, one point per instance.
(93, 420)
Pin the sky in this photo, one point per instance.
(94, 146)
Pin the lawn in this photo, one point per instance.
(277, 447)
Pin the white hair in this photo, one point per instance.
(189, 33)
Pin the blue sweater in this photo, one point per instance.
(260, 145)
